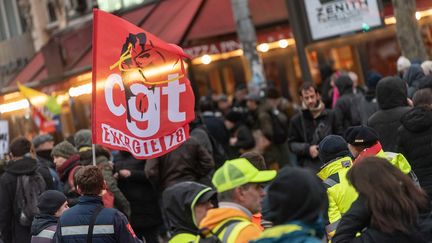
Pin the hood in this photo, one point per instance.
(296, 194)
(22, 166)
(180, 200)
(417, 119)
(68, 165)
(41, 222)
(391, 92)
(413, 74)
(426, 82)
(344, 84)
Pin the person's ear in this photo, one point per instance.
(105, 185)
(33, 152)
(78, 190)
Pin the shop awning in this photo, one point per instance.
(216, 17)
(34, 70)
(170, 19)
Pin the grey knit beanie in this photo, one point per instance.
(64, 149)
(83, 138)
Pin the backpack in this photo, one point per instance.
(107, 196)
(280, 130)
(28, 189)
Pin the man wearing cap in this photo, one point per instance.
(52, 204)
(185, 205)
(363, 141)
(334, 154)
(240, 195)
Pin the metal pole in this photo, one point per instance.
(299, 29)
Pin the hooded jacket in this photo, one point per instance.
(414, 78)
(345, 105)
(392, 101)
(43, 228)
(297, 201)
(11, 229)
(179, 202)
(415, 142)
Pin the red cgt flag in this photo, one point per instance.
(142, 99)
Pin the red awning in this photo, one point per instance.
(216, 17)
(169, 20)
(34, 70)
(139, 14)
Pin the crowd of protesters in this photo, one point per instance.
(350, 163)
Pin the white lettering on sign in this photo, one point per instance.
(139, 147)
(214, 48)
(152, 113)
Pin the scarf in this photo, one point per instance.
(367, 152)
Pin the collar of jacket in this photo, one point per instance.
(90, 199)
(23, 166)
(41, 222)
(334, 166)
(374, 150)
(236, 206)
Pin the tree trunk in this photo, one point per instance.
(408, 32)
(247, 36)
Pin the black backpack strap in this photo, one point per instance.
(92, 223)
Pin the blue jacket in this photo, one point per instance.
(110, 226)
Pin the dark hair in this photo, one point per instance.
(20, 146)
(391, 196)
(90, 180)
(206, 104)
(256, 159)
(307, 86)
(423, 97)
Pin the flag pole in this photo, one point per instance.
(94, 154)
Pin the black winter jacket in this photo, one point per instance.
(358, 218)
(145, 210)
(392, 100)
(189, 162)
(306, 131)
(11, 230)
(415, 143)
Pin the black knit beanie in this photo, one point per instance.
(50, 201)
(332, 147)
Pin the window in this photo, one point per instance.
(10, 21)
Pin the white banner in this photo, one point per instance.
(329, 18)
(4, 138)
